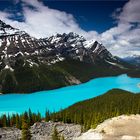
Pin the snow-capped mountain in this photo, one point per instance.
(6, 29)
(15, 44)
(22, 54)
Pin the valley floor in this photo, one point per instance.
(122, 127)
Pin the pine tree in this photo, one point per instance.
(4, 121)
(62, 138)
(31, 117)
(55, 135)
(26, 135)
(47, 117)
(13, 120)
(8, 120)
(38, 117)
(18, 124)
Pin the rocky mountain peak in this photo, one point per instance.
(15, 44)
(70, 39)
(7, 30)
(4, 25)
(20, 51)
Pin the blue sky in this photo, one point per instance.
(115, 24)
(91, 15)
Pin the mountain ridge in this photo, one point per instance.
(52, 49)
(31, 64)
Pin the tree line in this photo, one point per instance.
(88, 113)
(92, 112)
(23, 122)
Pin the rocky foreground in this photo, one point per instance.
(43, 131)
(118, 128)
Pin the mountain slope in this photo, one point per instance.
(16, 44)
(91, 112)
(31, 64)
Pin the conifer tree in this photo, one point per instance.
(55, 135)
(31, 117)
(8, 120)
(26, 135)
(18, 124)
(47, 117)
(62, 138)
(4, 121)
(38, 117)
(13, 120)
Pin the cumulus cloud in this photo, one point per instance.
(125, 37)
(42, 21)
(130, 12)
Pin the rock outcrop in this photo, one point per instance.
(43, 131)
(10, 133)
(118, 128)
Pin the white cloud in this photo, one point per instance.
(124, 39)
(130, 12)
(42, 21)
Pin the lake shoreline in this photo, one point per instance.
(52, 100)
(70, 85)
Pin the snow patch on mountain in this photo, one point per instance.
(89, 43)
(8, 67)
(16, 45)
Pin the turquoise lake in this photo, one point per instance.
(57, 99)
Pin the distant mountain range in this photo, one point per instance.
(134, 60)
(28, 64)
